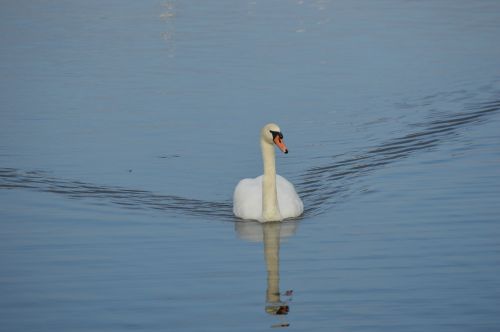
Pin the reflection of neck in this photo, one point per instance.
(270, 210)
(271, 251)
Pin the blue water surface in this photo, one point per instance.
(125, 125)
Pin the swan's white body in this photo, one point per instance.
(269, 197)
(248, 199)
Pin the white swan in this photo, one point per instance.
(269, 197)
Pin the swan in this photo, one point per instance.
(269, 197)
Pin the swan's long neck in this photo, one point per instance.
(270, 209)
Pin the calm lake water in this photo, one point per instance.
(125, 126)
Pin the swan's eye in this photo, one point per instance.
(276, 133)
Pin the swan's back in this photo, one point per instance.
(290, 204)
(247, 199)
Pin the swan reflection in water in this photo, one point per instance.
(270, 234)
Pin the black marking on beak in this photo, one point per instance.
(276, 133)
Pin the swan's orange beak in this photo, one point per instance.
(280, 144)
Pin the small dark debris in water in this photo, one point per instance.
(130, 171)
(280, 325)
(288, 292)
(169, 156)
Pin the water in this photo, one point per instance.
(126, 125)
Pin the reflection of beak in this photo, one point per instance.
(280, 144)
(278, 309)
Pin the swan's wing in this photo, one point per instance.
(247, 199)
(289, 201)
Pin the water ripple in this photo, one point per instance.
(322, 186)
(11, 178)
(319, 186)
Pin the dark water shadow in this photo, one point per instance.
(320, 187)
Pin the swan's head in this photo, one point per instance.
(271, 134)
